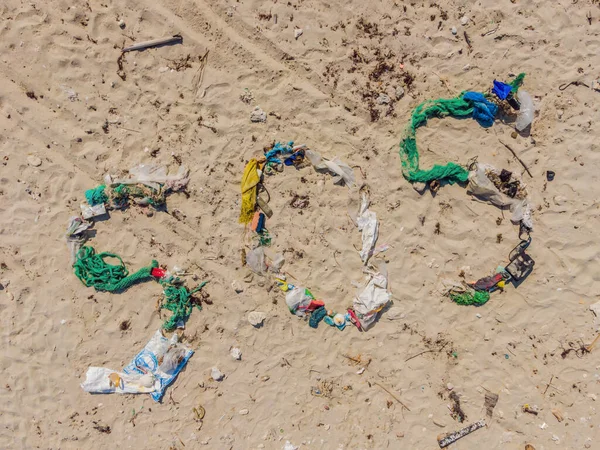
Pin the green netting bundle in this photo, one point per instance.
(178, 300)
(92, 269)
(476, 298)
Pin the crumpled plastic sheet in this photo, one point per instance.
(342, 172)
(150, 371)
(297, 300)
(153, 175)
(75, 235)
(483, 188)
(255, 260)
(373, 298)
(367, 223)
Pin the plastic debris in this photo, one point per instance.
(236, 353)
(75, 235)
(256, 318)
(525, 115)
(216, 374)
(298, 300)
(367, 223)
(143, 374)
(255, 260)
(176, 39)
(344, 173)
(373, 298)
(87, 211)
(289, 446)
(451, 438)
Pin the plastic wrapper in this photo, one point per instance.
(525, 115)
(87, 211)
(483, 188)
(150, 371)
(75, 235)
(255, 260)
(373, 298)
(342, 172)
(367, 223)
(298, 300)
(153, 176)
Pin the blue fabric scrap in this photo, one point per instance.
(484, 111)
(501, 89)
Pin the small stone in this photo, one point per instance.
(34, 161)
(439, 423)
(256, 318)
(400, 434)
(243, 412)
(394, 313)
(560, 113)
(399, 92)
(216, 374)
(478, 315)
(327, 427)
(122, 24)
(419, 187)
(236, 353)
(297, 33)
(454, 30)
(258, 115)
(464, 20)
(513, 135)
(383, 99)
(149, 213)
(559, 200)
(449, 386)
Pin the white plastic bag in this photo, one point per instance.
(373, 298)
(297, 300)
(143, 374)
(343, 171)
(525, 114)
(76, 235)
(483, 188)
(367, 223)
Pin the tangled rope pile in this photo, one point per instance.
(147, 185)
(483, 108)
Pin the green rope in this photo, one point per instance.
(93, 271)
(517, 82)
(457, 107)
(96, 195)
(476, 298)
(178, 301)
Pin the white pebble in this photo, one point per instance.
(34, 161)
(478, 315)
(297, 33)
(243, 412)
(236, 353)
(464, 20)
(454, 30)
(216, 374)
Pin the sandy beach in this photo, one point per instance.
(72, 110)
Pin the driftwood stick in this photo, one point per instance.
(177, 39)
(518, 159)
(392, 394)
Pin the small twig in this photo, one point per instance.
(591, 346)
(426, 351)
(490, 32)
(467, 40)
(548, 385)
(177, 39)
(393, 395)
(518, 159)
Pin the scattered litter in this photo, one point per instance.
(216, 374)
(255, 260)
(236, 353)
(544, 426)
(176, 39)
(258, 115)
(298, 32)
(34, 161)
(530, 409)
(360, 371)
(344, 173)
(75, 235)
(256, 318)
(143, 374)
(451, 438)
